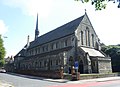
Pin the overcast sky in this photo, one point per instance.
(18, 19)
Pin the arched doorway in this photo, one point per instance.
(81, 70)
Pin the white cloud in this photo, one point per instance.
(3, 27)
(31, 7)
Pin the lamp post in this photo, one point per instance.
(76, 63)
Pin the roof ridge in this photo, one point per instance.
(61, 26)
(64, 30)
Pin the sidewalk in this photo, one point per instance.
(96, 80)
(84, 81)
(68, 81)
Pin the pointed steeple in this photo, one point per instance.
(36, 30)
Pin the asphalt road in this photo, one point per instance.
(31, 81)
(25, 81)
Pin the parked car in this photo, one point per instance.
(2, 70)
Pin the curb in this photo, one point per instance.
(57, 80)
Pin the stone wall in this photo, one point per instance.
(91, 76)
(104, 65)
(90, 37)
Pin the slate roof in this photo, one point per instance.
(59, 32)
(21, 53)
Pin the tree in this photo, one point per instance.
(2, 52)
(100, 4)
(114, 52)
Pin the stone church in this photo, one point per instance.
(72, 42)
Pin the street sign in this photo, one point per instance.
(76, 64)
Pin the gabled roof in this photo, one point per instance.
(59, 32)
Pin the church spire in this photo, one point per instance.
(36, 30)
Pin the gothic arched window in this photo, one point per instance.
(93, 40)
(82, 38)
(88, 38)
(87, 33)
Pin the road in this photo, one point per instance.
(26, 81)
(30, 81)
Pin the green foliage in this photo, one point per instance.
(2, 62)
(100, 4)
(111, 50)
(2, 52)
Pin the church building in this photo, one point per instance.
(73, 42)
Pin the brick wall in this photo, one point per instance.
(48, 74)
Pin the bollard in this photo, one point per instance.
(72, 70)
(61, 73)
